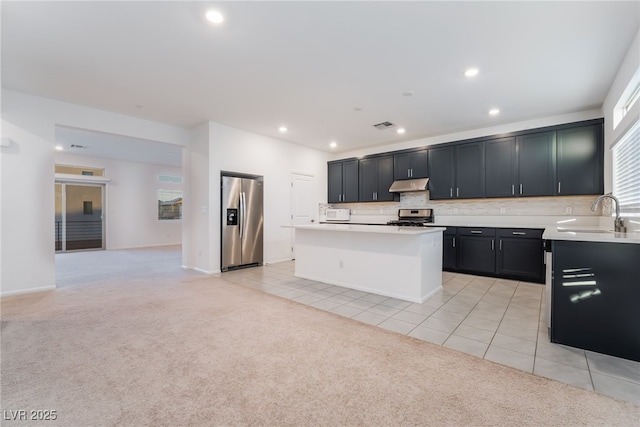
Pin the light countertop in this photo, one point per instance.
(590, 234)
(360, 228)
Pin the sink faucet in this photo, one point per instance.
(618, 224)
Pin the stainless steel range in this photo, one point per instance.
(413, 218)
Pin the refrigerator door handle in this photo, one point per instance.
(242, 214)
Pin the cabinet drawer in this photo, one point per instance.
(529, 233)
(476, 231)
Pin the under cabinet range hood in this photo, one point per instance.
(409, 185)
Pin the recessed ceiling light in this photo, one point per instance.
(215, 16)
(494, 111)
(333, 144)
(400, 131)
(282, 129)
(471, 72)
(59, 147)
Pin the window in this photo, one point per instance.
(79, 170)
(169, 204)
(87, 208)
(626, 171)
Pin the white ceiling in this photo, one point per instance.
(308, 65)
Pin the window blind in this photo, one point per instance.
(626, 171)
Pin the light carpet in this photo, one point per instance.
(185, 349)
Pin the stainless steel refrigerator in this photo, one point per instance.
(242, 222)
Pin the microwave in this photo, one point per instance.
(337, 214)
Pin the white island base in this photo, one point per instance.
(399, 262)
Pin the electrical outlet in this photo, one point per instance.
(503, 210)
(568, 210)
(340, 264)
(455, 211)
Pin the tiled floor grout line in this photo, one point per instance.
(501, 319)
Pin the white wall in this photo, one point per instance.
(27, 255)
(236, 150)
(131, 201)
(476, 133)
(625, 73)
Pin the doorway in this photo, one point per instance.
(302, 196)
(79, 216)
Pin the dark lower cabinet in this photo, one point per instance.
(520, 254)
(449, 258)
(498, 252)
(476, 250)
(595, 297)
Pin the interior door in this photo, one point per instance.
(301, 204)
(79, 217)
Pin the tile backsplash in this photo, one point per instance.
(521, 206)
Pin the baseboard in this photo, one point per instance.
(276, 261)
(201, 270)
(27, 291)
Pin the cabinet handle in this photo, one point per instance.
(559, 187)
(375, 196)
(520, 188)
(457, 191)
(492, 243)
(339, 197)
(408, 173)
(451, 192)
(519, 233)
(476, 231)
(500, 244)
(454, 242)
(513, 190)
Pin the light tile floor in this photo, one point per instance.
(498, 320)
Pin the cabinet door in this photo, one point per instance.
(441, 179)
(449, 252)
(536, 164)
(420, 164)
(402, 166)
(385, 179)
(476, 254)
(521, 257)
(500, 174)
(580, 169)
(368, 179)
(350, 181)
(335, 183)
(469, 171)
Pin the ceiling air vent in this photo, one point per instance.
(384, 125)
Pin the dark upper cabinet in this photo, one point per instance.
(343, 181)
(469, 162)
(500, 173)
(411, 165)
(376, 176)
(456, 172)
(441, 173)
(536, 155)
(579, 160)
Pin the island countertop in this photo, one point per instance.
(378, 229)
(590, 234)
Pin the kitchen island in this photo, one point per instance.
(399, 262)
(594, 292)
